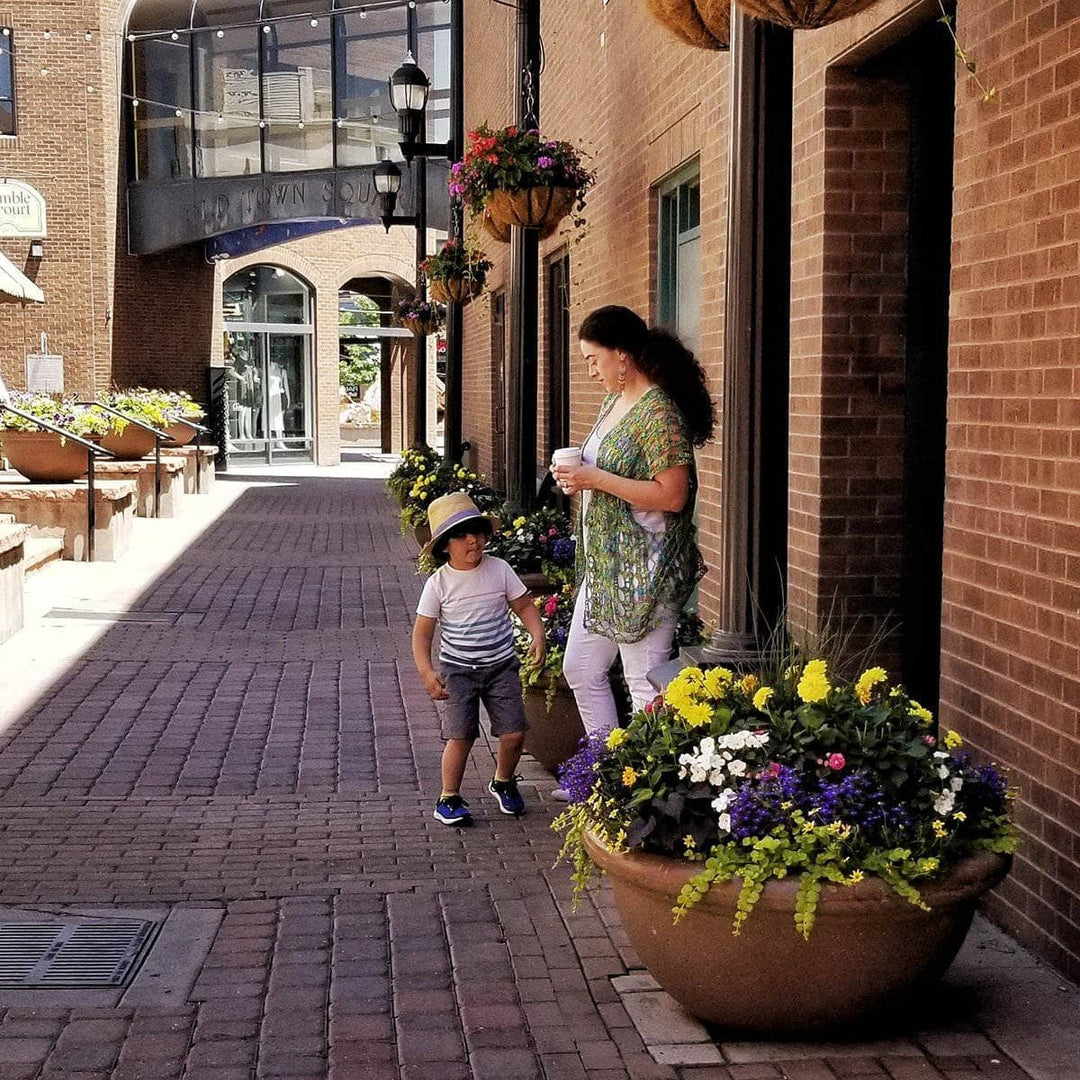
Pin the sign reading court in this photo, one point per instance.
(22, 211)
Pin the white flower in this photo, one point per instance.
(940, 754)
(717, 777)
(944, 803)
(943, 772)
(724, 822)
(737, 767)
(724, 800)
(956, 783)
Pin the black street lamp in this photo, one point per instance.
(387, 178)
(409, 89)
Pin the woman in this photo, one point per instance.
(640, 560)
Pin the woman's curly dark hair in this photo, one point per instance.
(661, 357)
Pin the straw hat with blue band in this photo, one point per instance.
(448, 512)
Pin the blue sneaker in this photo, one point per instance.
(453, 810)
(507, 794)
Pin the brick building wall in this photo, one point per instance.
(1010, 622)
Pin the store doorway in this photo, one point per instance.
(268, 378)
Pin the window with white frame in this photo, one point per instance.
(679, 255)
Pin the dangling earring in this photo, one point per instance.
(622, 378)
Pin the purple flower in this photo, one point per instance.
(544, 162)
(577, 774)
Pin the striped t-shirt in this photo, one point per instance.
(472, 607)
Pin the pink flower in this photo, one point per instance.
(836, 761)
(771, 771)
(551, 606)
(929, 740)
(656, 704)
(553, 531)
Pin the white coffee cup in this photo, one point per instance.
(568, 455)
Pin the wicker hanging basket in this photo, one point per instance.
(705, 24)
(455, 290)
(541, 208)
(423, 326)
(804, 14)
(496, 230)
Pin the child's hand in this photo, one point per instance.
(536, 652)
(435, 686)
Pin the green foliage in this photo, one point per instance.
(457, 261)
(58, 410)
(359, 365)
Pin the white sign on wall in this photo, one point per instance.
(22, 210)
(44, 373)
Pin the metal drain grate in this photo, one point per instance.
(154, 618)
(73, 955)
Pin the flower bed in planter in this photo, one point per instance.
(42, 456)
(790, 789)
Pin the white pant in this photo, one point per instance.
(589, 657)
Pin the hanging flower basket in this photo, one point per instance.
(456, 272)
(541, 208)
(422, 317)
(515, 177)
(804, 14)
(705, 24)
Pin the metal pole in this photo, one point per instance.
(524, 274)
(91, 507)
(454, 322)
(198, 460)
(157, 476)
(420, 374)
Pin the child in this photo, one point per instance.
(469, 596)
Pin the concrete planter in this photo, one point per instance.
(869, 949)
(44, 457)
(130, 444)
(553, 733)
(705, 24)
(179, 434)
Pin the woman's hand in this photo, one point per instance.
(575, 478)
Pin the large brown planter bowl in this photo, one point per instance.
(553, 735)
(705, 24)
(43, 457)
(422, 534)
(541, 208)
(179, 434)
(130, 444)
(804, 14)
(455, 290)
(869, 949)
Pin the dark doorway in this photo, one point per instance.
(498, 390)
(931, 66)
(558, 353)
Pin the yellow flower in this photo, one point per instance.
(916, 710)
(813, 685)
(716, 682)
(695, 713)
(678, 696)
(629, 777)
(748, 684)
(855, 877)
(688, 841)
(761, 698)
(960, 816)
(616, 737)
(519, 521)
(866, 683)
(952, 740)
(939, 829)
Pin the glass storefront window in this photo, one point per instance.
(7, 82)
(433, 47)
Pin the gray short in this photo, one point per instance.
(498, 686)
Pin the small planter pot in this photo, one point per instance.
(553, 734)
(179, 434)
(869, 950)
(537, 583)
(422, 533)
(130, 444)
(44, 457)
(804, 14)
(541, 208)
(455, 290)
(705, 24)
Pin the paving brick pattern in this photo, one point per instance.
(268, 752)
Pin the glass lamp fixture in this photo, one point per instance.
(409, 89)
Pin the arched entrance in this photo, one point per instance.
(268, 378)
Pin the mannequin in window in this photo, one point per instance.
(278, 394)
(242, 377)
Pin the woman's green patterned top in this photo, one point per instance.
(637, 577)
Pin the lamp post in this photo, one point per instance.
(409, 88)
(387, 179)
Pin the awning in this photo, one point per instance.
(13, 282)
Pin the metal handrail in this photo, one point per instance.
(91, 450)
(200, 431)
(159, 436)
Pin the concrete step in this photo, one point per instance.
(7, 519)
(39, 551)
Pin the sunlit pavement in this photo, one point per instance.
(224, 731)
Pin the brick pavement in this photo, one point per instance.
(258, 744)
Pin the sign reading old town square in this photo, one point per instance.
(22, 210)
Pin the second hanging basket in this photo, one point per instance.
(804, 14)
(705, 24)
